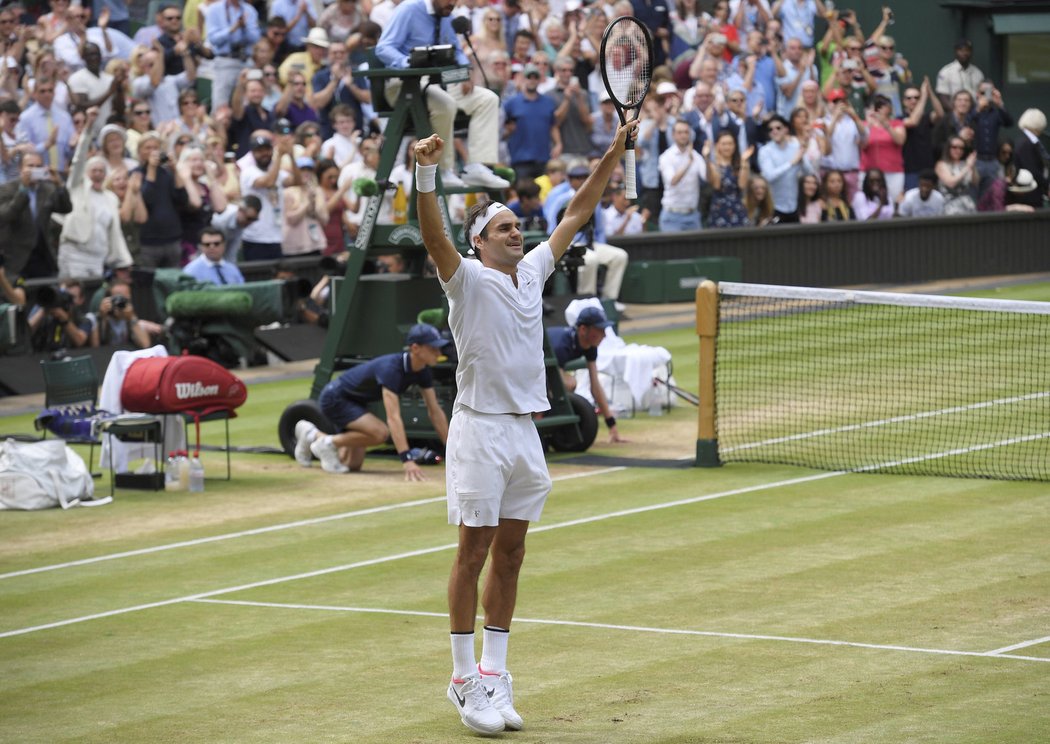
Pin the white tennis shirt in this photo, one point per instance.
(498, 329)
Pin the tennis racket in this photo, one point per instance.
(626, 60)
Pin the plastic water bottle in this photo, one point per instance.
(182, 465)
(171, 473)
(196, 475)
(655, 408)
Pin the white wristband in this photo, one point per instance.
(426, 178)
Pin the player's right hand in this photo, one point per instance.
(428, 151)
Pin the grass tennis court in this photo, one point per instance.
(749, 603)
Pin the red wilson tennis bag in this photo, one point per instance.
(180, 384)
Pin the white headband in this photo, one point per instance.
(486, 217)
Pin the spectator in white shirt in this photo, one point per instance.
(341, 146)
(925, 201)
(958, 74)
(622, 217)
(682, 169)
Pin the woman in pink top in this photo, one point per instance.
(885, 147)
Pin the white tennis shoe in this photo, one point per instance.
(326, 451)
(475, 709)
(499, 688)
(305, 433)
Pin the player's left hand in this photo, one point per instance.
(413, 472)
(615, 438)
(630, 128)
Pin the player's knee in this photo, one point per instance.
(508, 559)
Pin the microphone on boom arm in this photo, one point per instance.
(461, 25)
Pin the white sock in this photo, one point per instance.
(463, 663)
(494, 649)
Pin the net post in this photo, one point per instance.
(707, 330)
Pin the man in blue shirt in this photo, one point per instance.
(531, 129)
(210, 264)
(297, 14)
(582, 340)
(782, 163)
(344, 401)
(421, 23)
(233, 28)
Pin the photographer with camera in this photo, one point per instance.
(56, 323)
(232, 28)
(116, 322)
(26, 206)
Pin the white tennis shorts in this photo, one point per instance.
(494, 469)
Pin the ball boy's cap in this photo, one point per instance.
(427, 335)
(592, 316)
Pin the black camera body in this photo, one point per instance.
(118, 302)
(50, 298)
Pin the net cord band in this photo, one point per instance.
(738, 289)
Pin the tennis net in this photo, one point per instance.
(873, 381)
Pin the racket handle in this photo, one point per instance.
(629, 172)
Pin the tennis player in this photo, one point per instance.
(496, 476)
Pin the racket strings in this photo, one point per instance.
(627, 63)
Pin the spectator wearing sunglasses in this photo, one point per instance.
(210, 265)
(919, 124)
(782, 162)
(233, 220)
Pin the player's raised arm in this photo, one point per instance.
(446, 257)
(582, 204)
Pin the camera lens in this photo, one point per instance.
(120, 302)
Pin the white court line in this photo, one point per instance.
(892, 420)
(646, 629)
(263, 530)
(1023, 644)
(410, 554)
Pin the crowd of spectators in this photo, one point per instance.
(115, 151)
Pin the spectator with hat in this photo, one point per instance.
(307, 62)
(531, 128)
(959, 74)
(581, 341)
(1019, 191)
(345, 400)
(262, 177)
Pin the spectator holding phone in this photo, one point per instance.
(26, 206)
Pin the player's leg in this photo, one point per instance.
(526, 493)
(472, 477)
(500, 596)
(466, 690)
